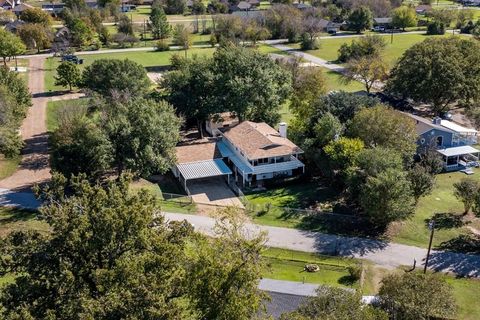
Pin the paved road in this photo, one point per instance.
(388, 255)
(34, 166)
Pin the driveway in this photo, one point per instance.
(385, 254)
(213, 191)
(34, 167)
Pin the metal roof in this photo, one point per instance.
(203, 169)
(458, 151)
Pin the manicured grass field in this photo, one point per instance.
(393, 51)
(146, 58)
(56, 108)
(288, 265)
(8, 166)
(467, 296)
(415, 231)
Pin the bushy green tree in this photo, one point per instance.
(10, 46)
(439, 72)
(343, 152)
(35, 36)
(110, 254)
(125, 25)
(309, 84)
(403, 17)
(421, 180)
(189, 90)
(175, 6)
(335, 304)
(80, 146)
(250, 84)
(68, 74)
(143, 134)
(360, 19)
(399, 296)
(106, 76)
(159, 24)
(36, 15)
(385, 127)
(367, 46)
(466, 190)
(387, 197)
(10, 140)
(182, 37)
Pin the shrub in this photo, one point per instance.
(162, 45)
(355, 271)
(436, 28)
(307, 43)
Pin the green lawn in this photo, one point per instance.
(8, 166)
(467, 295)
(298, 196)
(148, 59)
(55, 109)
(415, 232)
(393, 51)
(288, 265)
(16, 220)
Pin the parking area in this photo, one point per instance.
(213, 191)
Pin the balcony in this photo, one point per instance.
(294, 163)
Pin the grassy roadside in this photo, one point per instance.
(8, 166)
(55, 109)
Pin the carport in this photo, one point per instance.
(202, 169)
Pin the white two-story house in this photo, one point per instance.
(247, 153)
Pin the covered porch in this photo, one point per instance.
(458, 158)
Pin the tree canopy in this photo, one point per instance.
(360, 19)
(335, 304)
(10, 46)
(106, 76)
(438, 71)
(399, 296)
(110, 254)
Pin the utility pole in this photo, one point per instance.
(431, 226)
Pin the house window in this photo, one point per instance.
(422, 141)
(439, 141)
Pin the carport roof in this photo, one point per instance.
(203, 169)
(458, 151)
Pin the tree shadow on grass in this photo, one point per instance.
(465, 243)
(446, 220)
(11, 215)
(347, 281)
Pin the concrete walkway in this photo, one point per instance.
(387, 255)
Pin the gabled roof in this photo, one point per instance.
(188, 153)
(423, 125)
(259, 140)
(243, 5)
(383, 20)
(22, 7)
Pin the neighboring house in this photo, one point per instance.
(62, 40)
(254, 3)
(18, 9)
(383, 22)
(471, 3)
(452, 141)
(241, 6)
(329, 26)
(423, 9)
(92, 4)
(53, 8)
(14, 25)
(247, 153)
(7, 4)
(302, 6)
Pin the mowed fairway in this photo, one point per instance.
(148, 59)
(393, 51)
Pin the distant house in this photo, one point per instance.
(62, 40)
(423, 9)
(53, 8)
(241, 6)
(471, 3)
(14, 25)
(254, 3)
(302, 6)
(247, 153)
(383, 22)
(7, 4)
(329, 26)
(92, 4)
(18, 9)
(451, 140)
